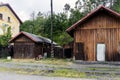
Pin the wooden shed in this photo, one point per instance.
(27, 45)
(97, 36)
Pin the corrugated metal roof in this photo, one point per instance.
(34, 37)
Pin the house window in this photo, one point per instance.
(8, 19)
(1, 16)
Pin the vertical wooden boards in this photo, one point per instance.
(100, 28)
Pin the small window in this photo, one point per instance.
(1, 16)
(8, 19)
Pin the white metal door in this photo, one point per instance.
(100, 52)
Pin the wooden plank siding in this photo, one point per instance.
(24, 50)
(100, 28)
(38, 49)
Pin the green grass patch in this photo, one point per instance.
(56, 61)
(5, 60)
(68, 73)
(57, 73)
(4, 69)
(103, 69)
(52, 61)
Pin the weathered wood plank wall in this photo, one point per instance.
(100, 28)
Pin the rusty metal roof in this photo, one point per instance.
(34, 38)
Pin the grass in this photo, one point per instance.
(55, 73)
(56, 61)
(59, 73)
(102, 69)
(52, 61)
(5, 60)
(68, 73)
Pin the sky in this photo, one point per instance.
(24, 8)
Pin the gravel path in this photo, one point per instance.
(14, 76)
(100, 70)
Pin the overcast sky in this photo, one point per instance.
(24, 8)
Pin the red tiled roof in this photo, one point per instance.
(89, 15)
(12, 11)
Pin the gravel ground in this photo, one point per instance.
(101, 70)
(14, 76)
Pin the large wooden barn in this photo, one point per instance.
(27, 45)
(97, 36)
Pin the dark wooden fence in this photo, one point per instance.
(4, 51)
(58, 52)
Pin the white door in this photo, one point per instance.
(100, 52)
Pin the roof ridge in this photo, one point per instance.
(90, 14)
(7, 4)
(35, 38)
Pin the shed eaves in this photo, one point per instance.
(39, 38)
(34, 38)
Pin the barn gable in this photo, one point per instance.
(22, 38)
(95, 15)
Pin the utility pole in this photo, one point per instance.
(33, 25)
(52, 52)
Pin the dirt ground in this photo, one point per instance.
(14, 76)
(95, 70)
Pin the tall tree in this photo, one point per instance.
(60, 24)
(35, 26)
(116, 6)
(75, 16)
(5, 37)
(66, 8)
(27, 26)
(86, 6)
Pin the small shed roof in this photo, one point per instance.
(70, 30)
(1, 5)
(33, 37)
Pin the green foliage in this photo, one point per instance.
(86, 6)
(27, 26)
(116, 6)
(35, 27)
(6, 37)
(75, 16)
(60, 24)
(42, 26)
